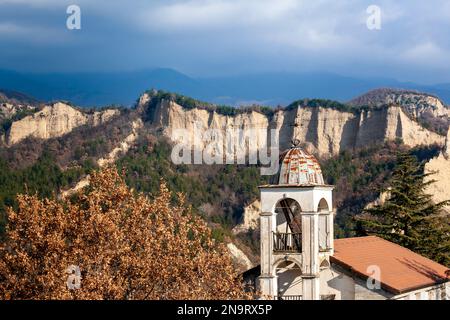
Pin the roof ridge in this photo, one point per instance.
(359, 238)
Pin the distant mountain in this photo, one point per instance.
(99, 89)
(95, 89)
(16, 98)
(13, 106)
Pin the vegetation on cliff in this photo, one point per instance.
(156, 96)
(218, 193)
(44, 179)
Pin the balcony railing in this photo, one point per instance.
(287, 242)
(289, 297)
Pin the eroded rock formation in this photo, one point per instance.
(250, 218)
(55, 121)
(440, 167)
(323, 131)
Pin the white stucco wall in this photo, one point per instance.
(362, 292)
(307, 197)
(346, 287)
(334, 282)
(437, 292)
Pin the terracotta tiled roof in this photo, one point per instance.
(401, 269)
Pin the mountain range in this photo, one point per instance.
(271, 89)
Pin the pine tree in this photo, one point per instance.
(409, 217)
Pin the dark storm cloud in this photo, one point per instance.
(204, 37)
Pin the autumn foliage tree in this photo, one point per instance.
(125, 246)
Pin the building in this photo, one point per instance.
(301, 260)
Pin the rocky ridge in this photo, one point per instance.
(415, 103)
(322, 131)
(427, 109)
(54, 121)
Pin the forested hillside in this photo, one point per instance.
(219, 193)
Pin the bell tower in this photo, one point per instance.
(296, 222)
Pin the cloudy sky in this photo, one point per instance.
(218, 37)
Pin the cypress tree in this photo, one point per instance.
(409, 217)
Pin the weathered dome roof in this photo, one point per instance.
(298, 167)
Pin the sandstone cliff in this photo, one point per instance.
(250, 218)
(447, 145)
(323, 131)
(381, 200)
(440, 166)
(241, 261)
(54, 121)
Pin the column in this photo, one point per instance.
(268, 279)
(330, 231)
(310, 256)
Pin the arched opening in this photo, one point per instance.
(323, 206)
(288, 215)
(324, 227)
(324, 264)
(289, 280)
(287, 237)
(330, 283)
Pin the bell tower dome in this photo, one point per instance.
(298, 167)
(296, 228)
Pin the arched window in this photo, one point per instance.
(323, 206)
(289, 217)
(287, 237)
(324, 228)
